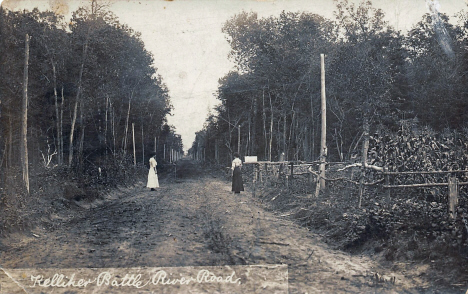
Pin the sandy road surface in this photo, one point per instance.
(196, 221)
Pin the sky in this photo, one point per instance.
(191, 52)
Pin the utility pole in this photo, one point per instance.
(323, 138)
(238, 139)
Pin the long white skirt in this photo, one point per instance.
(152, 179)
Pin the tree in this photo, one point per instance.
(363, 70)
(24, 129)
(436, 72)
(95, 76)
(277, 78)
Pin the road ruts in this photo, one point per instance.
(195, 220)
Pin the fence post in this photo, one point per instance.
(387, 182)
(292, 169)
(361, 185)
(452, 196)
(254, 181)
(260, 175)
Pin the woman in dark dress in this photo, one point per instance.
(237, 184)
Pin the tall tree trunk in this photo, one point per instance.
(124, 139)
(106, 124)
(24, 128)
(248, 145)
(127, 120)
(253, 142)
(61, 127)
(77, 100)
(265, 140)
(270, 145)
(142, 145)
(83, 125)
(113, 128)
(297, 140)
(134, 150)
(10, 141)
(306, 142)
(312, 128)
(57, 119)
(365, 149)
(285, 131)
(279, 138)
(292, 132)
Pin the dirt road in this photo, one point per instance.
(196, 221)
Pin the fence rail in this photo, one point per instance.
(422, 185)
(425, 172)
(286, 172)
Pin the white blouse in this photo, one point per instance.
(236, 162)
(153, 162)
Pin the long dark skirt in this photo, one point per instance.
(237, 183)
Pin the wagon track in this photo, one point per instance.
(197, 221)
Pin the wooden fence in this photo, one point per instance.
(285, 173)
(453, 183)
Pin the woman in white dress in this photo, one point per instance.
(152, 174)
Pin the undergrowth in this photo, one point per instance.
(56, 189)
(403, 228)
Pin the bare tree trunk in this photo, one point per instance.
(297, 141)
(312, 128)
(292, 132)
(279, 137)
(265, 140)
(10, 142)
(365, 149)
(113, 129)
(61, 128)
(306, 142)
(271, 130)
(77, 100)
(106, 123)
(253, 143)
(127, 121)
(124, 139)
(142, 145)
(285, 131)
(24, 128)
(248, 144)
(134, 151)
(83, 125)
(56, 108)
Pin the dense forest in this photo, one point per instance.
(378, 80)
(85, 93)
